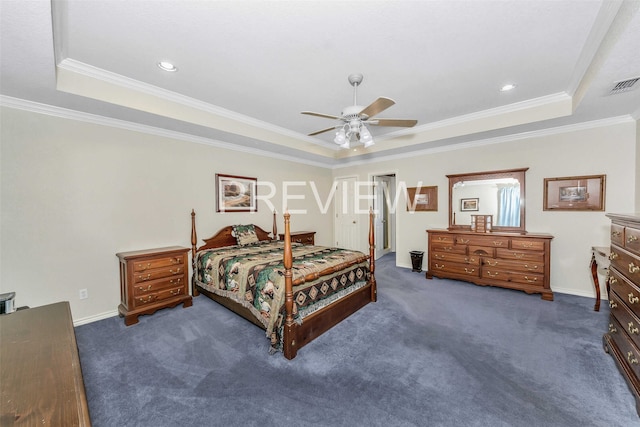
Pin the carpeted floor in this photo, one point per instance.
(428, 353)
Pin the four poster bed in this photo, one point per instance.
(294, 292)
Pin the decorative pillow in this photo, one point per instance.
(245, 234)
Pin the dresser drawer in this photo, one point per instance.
(142, 300)
(629, 322)
(629, 350)
(520, 255)
(459, 258)
(155, 285)
(446, 239)
(455, 268)
(533, 279)
(632, 240)
(150, 264)
(617, 234)
(159, 273)
(482, 250)
(448, 248)
(527, 244)
(626, 290)
(489, 241)
(515, 265)
(626, 263)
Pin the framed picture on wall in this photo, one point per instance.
(420, 199)
(236, 193)
(469, 204)
(574, 193)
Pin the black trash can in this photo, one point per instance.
(416, 260)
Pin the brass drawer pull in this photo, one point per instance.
(530, 268)
(467, 271)
(633, 268)
(438, 256)
(175, 281)
(492, 274)
(632, 239)
(448, 248)
(438, 266)
(632, 329)
(613, 280)
(613, 255)
(175, 260)
(497, 243)
(535, 279)
(615, 233)
(144, 267)
(527, 244)
(612, 328)
(612, 304)
(461, 240)
(143, 289)
(177, 271)
(633, 299)
(147, 299)
(632, 360)
(176, 291)
(517, 255)
(145, 278)
(492, 264)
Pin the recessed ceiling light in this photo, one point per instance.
(507, 87)
(167, 66)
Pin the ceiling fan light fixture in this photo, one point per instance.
(341, 137)
(365, 137)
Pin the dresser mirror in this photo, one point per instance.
(496, 193)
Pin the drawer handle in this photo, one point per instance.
(145, 278)
(497, 243)
(438, 266)
(613, 255)
(613, 280)
(527, 244)
(633, 299)
(175, 260)
(517, 255)
(175, 281)
(492, 265)
(492, 274)
(144, 267)
(177, 271)
(632, 329)
(632, 239)
(147, 299)
(633, 268)
(438, 256)
(448, 248)
(143, 289)
(632, 360)
(612, 328)
(467, 271)
(442, 239)
(467, 259)
(615, 233)
(535, 279)
(463, 241)
(612, 304)
(176, 291)
(530, 268)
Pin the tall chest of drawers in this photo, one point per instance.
(507, 260)
(622, 340)
(152, 279)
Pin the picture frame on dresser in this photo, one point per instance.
(236, 193)
(575, 193)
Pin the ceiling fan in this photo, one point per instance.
(355, 117)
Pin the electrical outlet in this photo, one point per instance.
(83, 294)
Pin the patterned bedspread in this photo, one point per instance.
(253, 276)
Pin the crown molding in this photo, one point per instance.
(50, 110)
(497, 140)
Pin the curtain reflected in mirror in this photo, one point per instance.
(508, 206)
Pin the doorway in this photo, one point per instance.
(384, 198)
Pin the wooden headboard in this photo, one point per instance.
(224, 238)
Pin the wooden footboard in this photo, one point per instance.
(295, 335)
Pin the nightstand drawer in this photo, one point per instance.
(304, 237)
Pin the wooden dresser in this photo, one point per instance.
(507, 260)
(152, 279)
(41, 381)
(304, 237)
(622, 340)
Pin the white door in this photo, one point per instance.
(346, 228)
(382, 186)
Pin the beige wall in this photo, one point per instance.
(74, 194)
(581, 152)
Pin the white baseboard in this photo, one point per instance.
(95, 318)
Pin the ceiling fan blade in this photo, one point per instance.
(322, 131)
(377, 106)
(326, 116)
(404, 123)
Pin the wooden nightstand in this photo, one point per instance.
(304, 237)
(152, 279)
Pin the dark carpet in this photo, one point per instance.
(428, 353)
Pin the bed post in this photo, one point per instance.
(275, 226)
(372, 258)
(194, 242)
(289, 346)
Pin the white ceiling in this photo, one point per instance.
(248, 68)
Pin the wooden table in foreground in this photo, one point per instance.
(40, 377)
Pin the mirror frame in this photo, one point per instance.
(518, 174)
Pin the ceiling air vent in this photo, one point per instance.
(624, 86)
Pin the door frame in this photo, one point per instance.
(393, 223)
